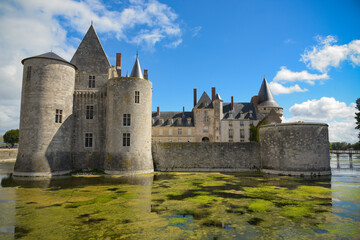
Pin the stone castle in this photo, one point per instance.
(84, 115)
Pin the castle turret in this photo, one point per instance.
(128, 128)
(46, 116)
(266, 102)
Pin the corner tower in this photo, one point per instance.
(128, 124)
(266, 101)
(46, 116)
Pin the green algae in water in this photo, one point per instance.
(183, 206)
(260, 205)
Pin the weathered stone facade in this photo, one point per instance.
(295, 148)
(215, 157)
(83, 115)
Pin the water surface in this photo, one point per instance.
(181, 206)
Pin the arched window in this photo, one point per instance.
(205, 139)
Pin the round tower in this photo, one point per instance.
(45, 116)
(128, 124)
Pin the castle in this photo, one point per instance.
(84, 115)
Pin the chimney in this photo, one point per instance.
(158, 111)
(146, 74)
(212, 93)
(183, 110)
(118, 61)
(195, 98)
(232, 102)
(118, 64)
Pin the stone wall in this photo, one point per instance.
(210, 156)
(8, 154)
(295, 148)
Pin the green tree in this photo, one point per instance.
(12, 136)
(357, 116)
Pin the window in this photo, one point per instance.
(189, 121)
(28, 73)
(126, 119)
(126, 139)
(170, 132)
(230, 123)
(137, 97)
(179, 131)
(169, 140)
(58, 116)
(241, 123)
(160, 132)
(251, 124)
(89, 112)
(230, 133)
(206, 129)
(161, 121)
(242, 133)
(91, 81)
(88, 139)
(189, 132)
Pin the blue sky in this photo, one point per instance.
(309, 51)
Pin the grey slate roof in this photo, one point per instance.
(49, 55)
(90, 56)
(240, 111)
(265, 97)
(217, 97)
(174, 115)
(204, 101)
(136, 71)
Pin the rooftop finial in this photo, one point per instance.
(137, 53)
(127, 73)
(92, 22)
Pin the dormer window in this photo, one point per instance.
(188, 121)
(161, 121)
(179, 121)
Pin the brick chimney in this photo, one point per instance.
(146, 74)
(118, 61)
(118, 64)
(195, 98)
(213, 89)
(232, 102)
(183, 110)
(158, 111)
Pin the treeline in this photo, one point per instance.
(344, 146)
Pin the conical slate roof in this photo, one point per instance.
(49, 55)
(265, 97)
(136, 71)
(90, 56)
(217, 97)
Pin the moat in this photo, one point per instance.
(181, 206)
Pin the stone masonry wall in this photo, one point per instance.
(8, 154)
(210, 156)
(295, 148)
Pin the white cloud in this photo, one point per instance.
(33, 27)
(286, 75)
(327, 54)
(277, 88)
(195, 31)
(338, 115)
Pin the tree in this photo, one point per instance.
(357, 116)
(12, 136)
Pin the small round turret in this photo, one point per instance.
(128, 128)
(45, 117)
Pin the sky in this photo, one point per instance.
(309, 51)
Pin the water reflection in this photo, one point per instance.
(181, 206)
